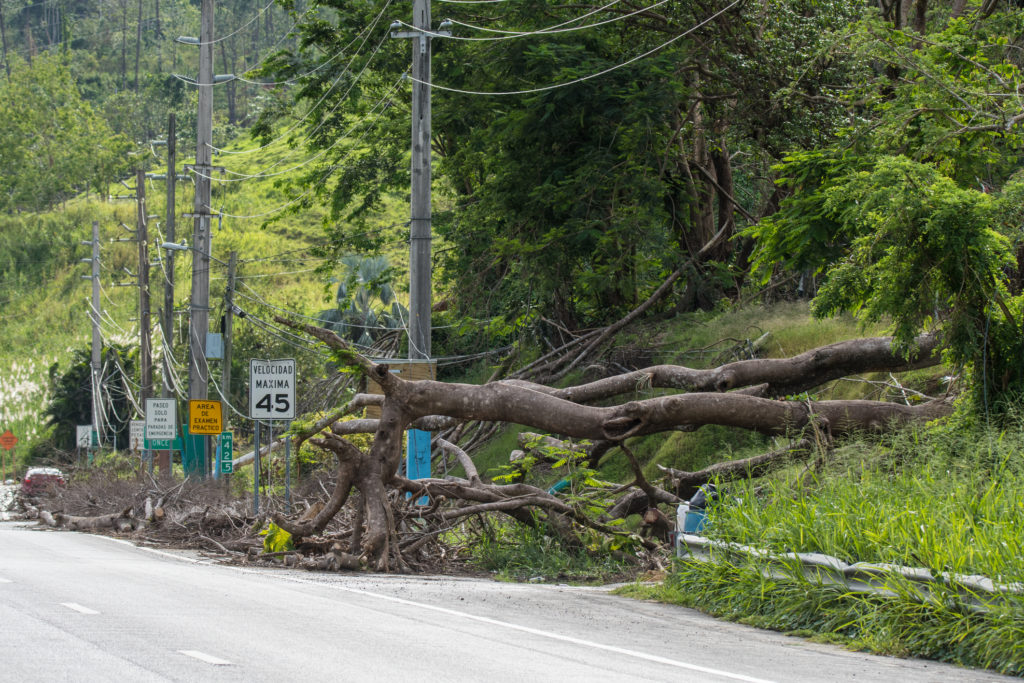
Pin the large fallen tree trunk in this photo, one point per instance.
(564, 412)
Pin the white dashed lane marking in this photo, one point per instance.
(203, 657)
(79, 608)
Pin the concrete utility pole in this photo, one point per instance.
(199, 308)
(420, 211)
(145, 341)
(167, 321)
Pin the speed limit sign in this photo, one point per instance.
(272, 389)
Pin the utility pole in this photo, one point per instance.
(420, 212)
(94, 316)
(229, 304)
(199, 308)
(145, 341)
(420, 226)
(167, 322)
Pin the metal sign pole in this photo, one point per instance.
(256, 471)
(287, 476)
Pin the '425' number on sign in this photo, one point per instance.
(280, 403)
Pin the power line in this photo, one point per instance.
(239, 29)
(327, 93)
(550, 30)
(312, 186)
(338, 141)
(590, 76)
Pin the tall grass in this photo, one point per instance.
(946, 498)
(949, 501)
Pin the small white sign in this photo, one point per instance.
(84, 436)
(136, 435)
(161, 418)
(272, 389)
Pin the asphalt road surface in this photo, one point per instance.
(78, 607)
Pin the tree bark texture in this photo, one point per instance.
(742, 394)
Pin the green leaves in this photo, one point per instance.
(922, 251)
(276, 539)
(52, 143)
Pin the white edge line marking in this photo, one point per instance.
(203, 657)
(464, 615)
(3, 580)
(79, 608)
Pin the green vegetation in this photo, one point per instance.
(515, 552)
(947, 499)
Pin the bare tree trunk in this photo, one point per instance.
(124, 44)
(3, 41)
(138, 46)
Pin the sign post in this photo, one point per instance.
(227, 454)
(271, 397)
(272, 389)
(161, 419)
(7, 441)
(205, 417)
(161, 427)
(137, 439)
(83, 438)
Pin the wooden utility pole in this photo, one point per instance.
(145, 338)
(94, 316)
(167, 321)
(229, 304)
(199, 308)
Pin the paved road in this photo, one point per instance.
(76, 607)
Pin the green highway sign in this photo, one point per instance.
(164, 444)
(227, 456)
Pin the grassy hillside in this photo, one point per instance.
(46, 300)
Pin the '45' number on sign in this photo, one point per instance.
(280, 404)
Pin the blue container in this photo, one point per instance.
(694, 521)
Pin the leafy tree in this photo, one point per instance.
(912, 215)
(366, 307)
(577, 199)
(52, 143)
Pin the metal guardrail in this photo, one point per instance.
(979, 593)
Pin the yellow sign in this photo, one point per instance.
(204, 417)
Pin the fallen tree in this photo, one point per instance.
(740, 395)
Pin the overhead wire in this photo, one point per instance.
(563, 27)
(346, 70)
(582, 78)
(263, 174)
(239, 29)
(333, 167)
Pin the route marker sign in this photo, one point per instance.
(227, 453)
(8, 439)
(205, 417)
(136, 435)
(272, 389)
(161, 418)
